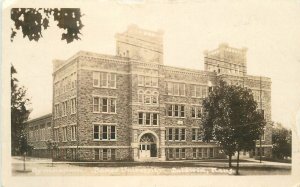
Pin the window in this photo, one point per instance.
(97, 156)
(56, 134)
(73, 81)
(140, 80)
(263, 135)
(176, 134)
(182, 111)
(181, 89)
(194, 134)
(107, 105)
(147, 118)
(176, 110)
(113, 105)
(112, 80)
(204, 153)
(104, 105)
(200, 153)
(170, 134)
(198, 91)
(211, 152)
(193, 112)
(96, 132)
(155, 98)
(73, 106)
(113, 154)
(170, 110)
(104, 79)
(105, 154)
(65, 135)
(182, 134)
(177, 153)
(154, 82)
(96, 104)
(194, 153)
(170, 88)
(147, 81)
(112, 132)
(64, 108)
(170, 155)
(155, 119)
(105, 132)
(196, 112)
(96, 79)
(179, 134)
(56, 111)
(148, 98)
(182, 153)
(73, 132)
(141, 119)
(199, 112)
(176, 89)
(140, 96)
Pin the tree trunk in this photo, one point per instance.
(237, 163)
(230, 160)
(24, 158)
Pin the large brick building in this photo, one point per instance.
(133, 107)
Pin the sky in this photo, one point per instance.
(269, 29)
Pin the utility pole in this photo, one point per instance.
(260, 149)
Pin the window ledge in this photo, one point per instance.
(104, 140)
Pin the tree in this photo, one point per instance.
(33, 21)
(282, 141)
(231, 119)
(19, 114)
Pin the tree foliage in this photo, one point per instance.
(282, 141)
(19, 114)
(33, 21)
(231, 118)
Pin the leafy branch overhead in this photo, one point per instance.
(33, 21)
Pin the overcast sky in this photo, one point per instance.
(269, 29)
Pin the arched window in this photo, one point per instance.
(155, 98)
(148, 97)
(140, 96)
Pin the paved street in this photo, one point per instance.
(43, 167)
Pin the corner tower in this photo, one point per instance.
(140, 44)
(226, 60)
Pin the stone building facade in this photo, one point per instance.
(133, 107)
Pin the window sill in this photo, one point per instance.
(177, 95)
(114, 88)
(198, 97)
(175, 117)
(104, 140)
(105, 113)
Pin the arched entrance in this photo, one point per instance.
(148, 146)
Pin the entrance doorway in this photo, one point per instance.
(148, 146)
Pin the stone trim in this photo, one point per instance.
(257, 145)
(190, 146)
(94, 146)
